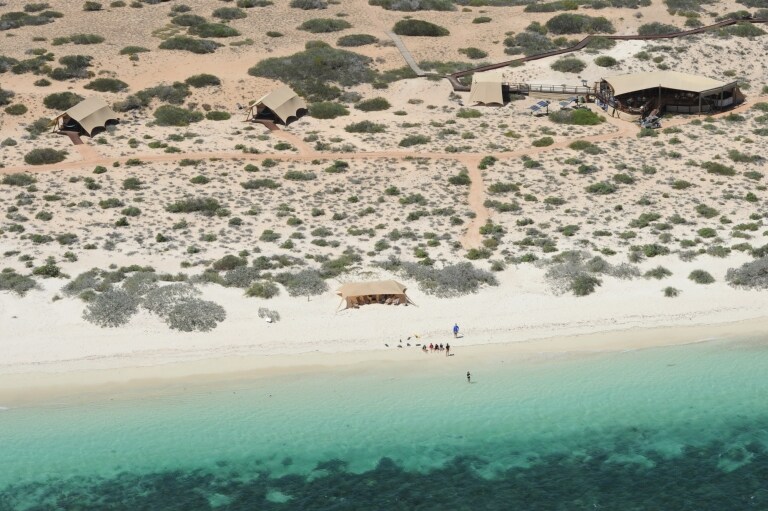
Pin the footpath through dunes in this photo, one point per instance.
(89, 155)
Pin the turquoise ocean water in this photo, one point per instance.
(678, 428)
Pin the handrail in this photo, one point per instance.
(458, 86)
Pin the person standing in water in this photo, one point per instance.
(469, 377)
(447, 349)
(455, 330)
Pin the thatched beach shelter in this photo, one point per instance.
(388, 292)
(487, 88)
(281, 105)
(89, 115)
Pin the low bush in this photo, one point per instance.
(215, 30)
(194, 204)
(714, 167)
(568, 23)
(414, 5)
(62, 100)
(133, 50)
(473, 53)
(324, 25)
(44, 156)
(15, 282)
(106, 85)
(17, 109)
(365, 127)
(412, 140)
(258, 184)
(543, 142)
(297, 175)
(657, 28)
(373, 105)
(186, 43)
(419, 28)
(606, 61)
(601, 188)
(215, 115)
(307, 283)
(188, 20)
(229, 13)
(701, 277)
(111, 308)
(327, 110)
(202, 80)
(263, 289)
(579, 117)
(308, 5)
(752, 275)
(169, 115)
(449, 281)
(460, 179)
(569, 65)
(356, 40)
(195, 315)
(18, 179)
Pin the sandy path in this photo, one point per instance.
(476, 196)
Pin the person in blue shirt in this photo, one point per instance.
(455, 330)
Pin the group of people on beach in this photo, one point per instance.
(437, 348)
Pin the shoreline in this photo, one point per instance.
(78, 386)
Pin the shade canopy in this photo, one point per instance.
(284, 103)
(91, 113)
(625, 84)
(487, 88)
(388, 292)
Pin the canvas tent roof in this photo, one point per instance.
(283, 102)
(90, 113)
(486, 88)
(376, 287)
(624, 84)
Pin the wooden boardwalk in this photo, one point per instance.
(406, 54)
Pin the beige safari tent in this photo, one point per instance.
(280, 105)
(388, 292)
(90, 114)
(487, 88)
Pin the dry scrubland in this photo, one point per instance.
(389, 175)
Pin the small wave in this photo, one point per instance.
(4, 408)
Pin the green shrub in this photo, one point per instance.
(215, 115)
(229, 13)
(169, 115)
(17, 109)
(752, 275)
(110, 203)
(543, 142)
(5, 96)
(415, 5)
(482, 19)
(373, 105)
(671, 292)
(308, 5)
(62, 100)
(657, 273)
(91, 6)
(647, 132)
(497, 188)
(580, 117)
(203, 80)
(419, 28)
(324, 25)
(229, 262)
(365, 127)
(356, 40)
(701, 277)
(44, 156)
(264, 289)
(473, 53)
(18, 179)
(714, 167)
(186, 43)
(461, 179)
(15, 282)
(584, 284)
(313, 72)
(133, 50)
(601, 188)
(215, 30)
(194, 204)
(528, 43)
(569, 65)
(327, 110)
(188, 20)
(297, 175)
(86, 39)
(606, 61)
(412, 140)
(706, 211)
(468, 113)
(568, 23)
(656, 28)
(106, 85)
(257, 184)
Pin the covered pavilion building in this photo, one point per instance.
(487, 88)
(658, 91)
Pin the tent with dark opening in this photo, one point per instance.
(387, 292)
(89, 115)
(281, 105)
(487, 88)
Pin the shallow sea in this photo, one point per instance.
(676, 428)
